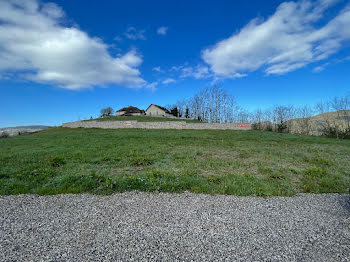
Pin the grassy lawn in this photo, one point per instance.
(62, 160)
(143, 119)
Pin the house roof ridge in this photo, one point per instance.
(133, 108)
(160, 107)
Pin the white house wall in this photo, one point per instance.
(155, 111)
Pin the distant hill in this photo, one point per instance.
(315, 124)
(340, 115)
(16, 130)
(34, 127)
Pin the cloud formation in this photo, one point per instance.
(152, 86)
(288, 40)
(198, 72)
(168, 81)
(35, 45)
(157, 69)
(162, 30)
(134, 34)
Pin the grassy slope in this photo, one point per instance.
(60, 160)
(143, 119)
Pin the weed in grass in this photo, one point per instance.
(320, 161)
(315, 172)
(57, 161)
(318, 180)
(277, 176)
(265, 170)
(214, 179)
(142, 161)
(244, 154)
(293, 171)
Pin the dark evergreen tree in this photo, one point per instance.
(174, 111)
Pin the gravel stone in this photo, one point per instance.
(174, 227)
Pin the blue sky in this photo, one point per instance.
(64, 60)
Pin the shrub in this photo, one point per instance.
(333, 132)
(282, 127)
(268, 128)
(4, 135)
(255, 126)
(23, 132)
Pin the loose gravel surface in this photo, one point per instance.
(173, 227)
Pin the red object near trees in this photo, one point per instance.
(243, 124)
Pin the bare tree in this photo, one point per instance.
(341, 105)
(181, 107)
(305, 113)
(169, 106)
(341, 122)
(281, 116)
(259, 120)
(326, 122)
(242, 116)
(108, 111)
(212, 104)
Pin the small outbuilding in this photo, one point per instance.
(155, 110)
(130, 111)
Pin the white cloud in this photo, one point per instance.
(198, 72)
(176, 68)
(162, 30)
(347, 58)
(320, 68)
(157, 69)
(134, 34)
(35, 45)
(288, 40)
(118, 38)
(152, 86)
(168, 81)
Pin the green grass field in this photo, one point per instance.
(62, 160)
(143, 119)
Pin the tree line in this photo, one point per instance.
(215, 105)
(212, 105)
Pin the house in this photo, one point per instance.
(130, 111)
(155, 110)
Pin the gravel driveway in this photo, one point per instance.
(168, 227)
